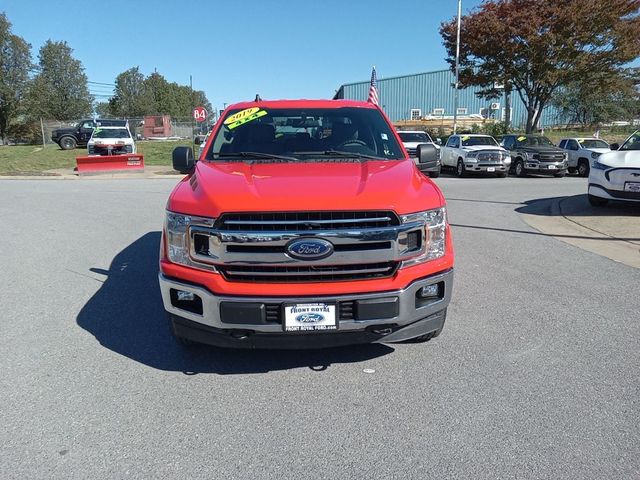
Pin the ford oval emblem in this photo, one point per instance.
(310, 318)
(309, 249)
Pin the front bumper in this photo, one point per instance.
(486, 168)
(545, 168)
(409, 318)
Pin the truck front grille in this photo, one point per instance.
(310, 273)
(305, 221)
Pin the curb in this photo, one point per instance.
(557, 225)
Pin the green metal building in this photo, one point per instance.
(431, 95)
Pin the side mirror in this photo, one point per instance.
(439, 141)
(614, 146)
(183, 160)
(427, 155)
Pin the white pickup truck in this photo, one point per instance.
(475, 153)
(582, 151)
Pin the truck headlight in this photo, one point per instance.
(595, 154)
(178, 243)
(599, 166)
(533, 156)
(435, 228)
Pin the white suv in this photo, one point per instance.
(616, 175)
(111, 141)
(582, 151)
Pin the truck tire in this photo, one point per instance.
(435, 174)
(597, 201)
(461, 171)
(583, 167)
(519, 168)
(67, 143)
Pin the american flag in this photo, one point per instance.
(373, 91)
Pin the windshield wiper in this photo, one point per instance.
(257, 156)
(342, 153)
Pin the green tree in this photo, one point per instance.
(15, 63)
(132, 98)
(60, 90)
(537, 46)
(604, 99)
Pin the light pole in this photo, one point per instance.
(455, 98)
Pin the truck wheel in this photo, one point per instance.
(583, 167)
(67, 143)
(520, 171)
(597, 201)
(435, 174)
(461, 171)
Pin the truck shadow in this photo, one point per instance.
(126, 316)
(578, 206)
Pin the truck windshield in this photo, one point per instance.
(632, 143)
(111, 133)
(473, 141)
(536, 141)
(304, 134)
(588, 143)
(414, 137)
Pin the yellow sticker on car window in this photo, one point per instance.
(581, 140)
(243, 116)
(465, 138)
(522, 139)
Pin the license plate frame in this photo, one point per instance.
(303, 317)
(633, 187)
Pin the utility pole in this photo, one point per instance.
(455, 98)
(193, 120)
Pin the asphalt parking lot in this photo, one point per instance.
(534, 376)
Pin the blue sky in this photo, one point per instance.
(235, 49)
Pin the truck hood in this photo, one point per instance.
(216, 188)
(629, 159)
(477, 148)
(541, 149)
(597, 150)
(415, 144)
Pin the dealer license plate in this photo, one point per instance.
(551, 167)
(491, 169)
(632, 187)
(310, 316)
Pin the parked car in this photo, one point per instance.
(475, 154)
(615, 175)
(111, 141)
(304, 225)
(581, 151)
(535, 154)
(411, 139)
(79, 135)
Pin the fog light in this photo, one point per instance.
(186, 296)
(429, 291)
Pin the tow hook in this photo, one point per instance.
(382, 331)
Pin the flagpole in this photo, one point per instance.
(455, 98)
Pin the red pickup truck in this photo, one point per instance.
(305, 224)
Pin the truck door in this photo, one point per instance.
(572, 148)
(86, 129)
(452, 144)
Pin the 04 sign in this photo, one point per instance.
(200, 114)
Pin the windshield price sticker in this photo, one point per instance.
(581, 140)
(465, 138)
(310, 316)
(243, 117)
(522, 139)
